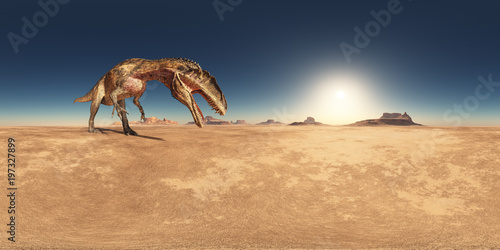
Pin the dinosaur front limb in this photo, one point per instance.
(138, 104)
(114, 98)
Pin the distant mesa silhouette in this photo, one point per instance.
(210, 120)
(270, 122)
(395, 116)
(150, 121)
(308, 121)
(397, 119)
(240, 122)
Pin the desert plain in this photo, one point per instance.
(254, 187)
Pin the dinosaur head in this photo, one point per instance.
(200, 82)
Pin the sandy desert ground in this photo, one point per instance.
(255, 186)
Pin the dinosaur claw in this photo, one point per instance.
(129, 131)
(95, 131)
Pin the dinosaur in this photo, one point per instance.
(128, 79)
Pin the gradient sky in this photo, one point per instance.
(272, 59)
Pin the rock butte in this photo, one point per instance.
(270, 122)
(240, 122)
(308, 121)
(151, 121)
(397, 119)
(209, 120)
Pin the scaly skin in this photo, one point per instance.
(128, 79)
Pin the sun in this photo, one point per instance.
(339, 97)
(340, 94)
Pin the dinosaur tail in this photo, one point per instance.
(85, 98)
(88, 97)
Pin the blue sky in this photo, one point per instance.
(273, 59)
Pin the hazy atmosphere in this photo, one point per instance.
(338, 61)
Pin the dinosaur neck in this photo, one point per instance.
(152, 70)
(163, 70)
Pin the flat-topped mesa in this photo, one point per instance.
(210, 120)
(395, 116)
(240, 122)
(390, 115)
(270, 122)
(389, 119)
(308, 121)
(155, 121)
(151, 121)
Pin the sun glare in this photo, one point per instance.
(339, 97)
(340, 94)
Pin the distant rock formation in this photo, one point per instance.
(308, 121)
(155, 121)
(397, 119)
(240, 122)
(390, 115)
(404, 116)
(209, 120)
(270, 122)
(150, 121)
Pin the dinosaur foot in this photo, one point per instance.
(129, 132)
(95, 131)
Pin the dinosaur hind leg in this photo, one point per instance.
(138, 104)
(123, 116)
(94, 107)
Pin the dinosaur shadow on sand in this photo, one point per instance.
(105, 130)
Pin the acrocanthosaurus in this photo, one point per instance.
(128, 79)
